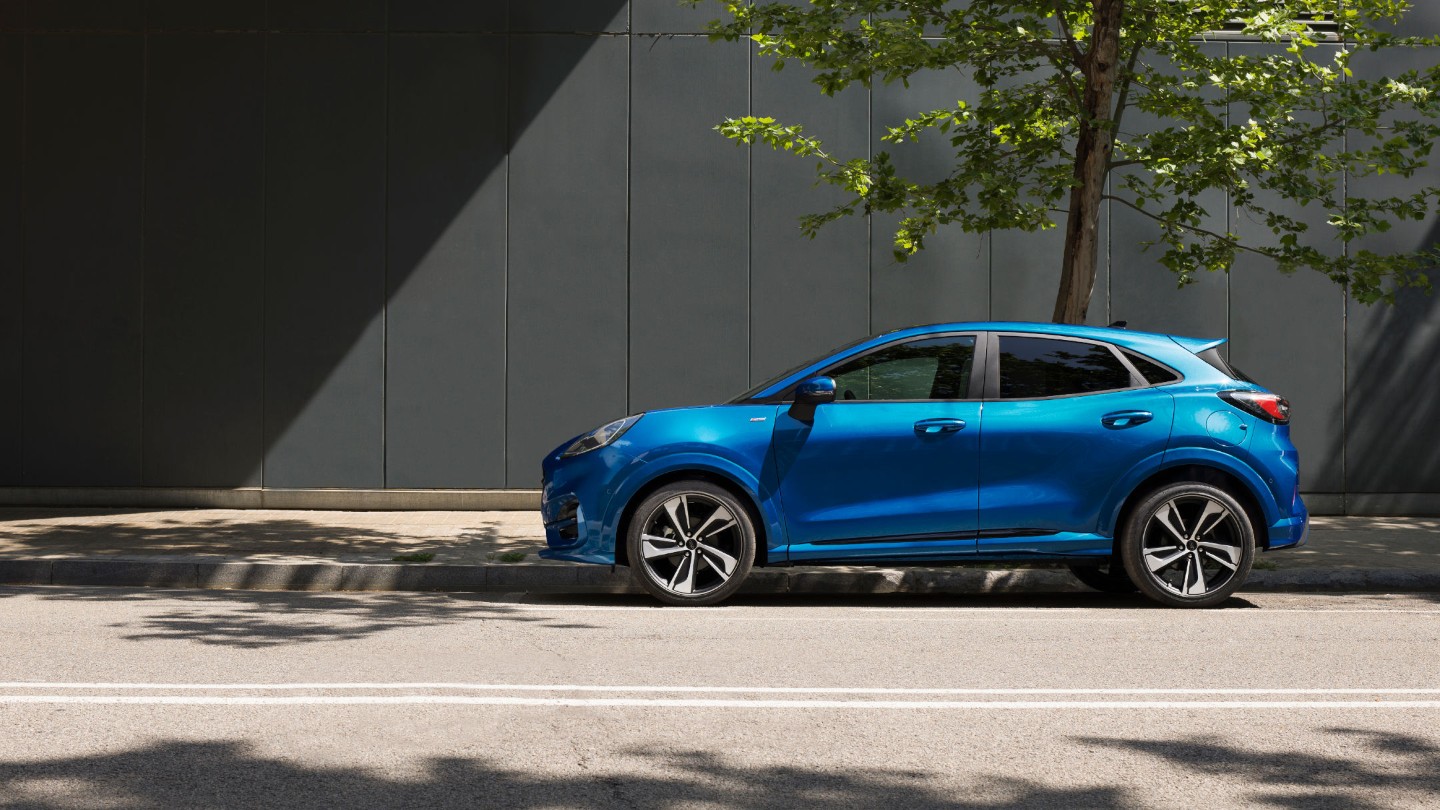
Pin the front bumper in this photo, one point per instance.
(575, 499)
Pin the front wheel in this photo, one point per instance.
(691, 543)
(1188, 545)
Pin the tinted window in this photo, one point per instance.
(1212, 356)
(1153, 372)
(1041, 367)
(935, 368)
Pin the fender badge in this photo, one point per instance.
(757, 419)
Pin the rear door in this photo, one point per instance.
(1065, 419)
(891, 468)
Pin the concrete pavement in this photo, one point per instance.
(497, 551)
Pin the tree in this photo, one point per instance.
(1048, 134)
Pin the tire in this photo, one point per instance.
(1108, 577)
(1188, 545)
(675, 565)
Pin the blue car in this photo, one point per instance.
(1142, 461)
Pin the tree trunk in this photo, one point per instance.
(1092, 158)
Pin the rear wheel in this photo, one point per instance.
(1188, 545)
(691, 543)
(1107, 577)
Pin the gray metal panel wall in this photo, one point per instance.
(215, 15)
(950, 279)
(82, 335)
(807, 296)
(1392, 426)
(569, 16)
(12, 101)
(355, 258)
(567, 301)
(445, 321)
(1289, 331)
(448, 15)
(326, 15)
(204, 260)
(689, 269)
(325, 260)
(1142, 291)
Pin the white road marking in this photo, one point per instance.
(807, 612)
(697, 703)
(641, 689)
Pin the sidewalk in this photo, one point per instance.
(496, 551)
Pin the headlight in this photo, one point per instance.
(601, 436)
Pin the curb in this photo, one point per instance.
(220, 574)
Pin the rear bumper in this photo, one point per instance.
(1291, 532)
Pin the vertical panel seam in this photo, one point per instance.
(505, 277)
(144, 218)
(385, 269)
(870, 218)
(629, 218)
(1344, 338)
(264, 246)
(24, 145)
(1229, 226)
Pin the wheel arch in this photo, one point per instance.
(712, 476)
(1227, 480)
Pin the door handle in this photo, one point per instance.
(1125, 419)
(928, 427)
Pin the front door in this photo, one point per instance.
(890, 470)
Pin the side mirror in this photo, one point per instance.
(808, 394)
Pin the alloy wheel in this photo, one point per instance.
(1193, 545)
(691, 544)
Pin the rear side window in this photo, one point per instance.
(935, 368)
(1043, 367)
(1153, 372)
(1212, 356)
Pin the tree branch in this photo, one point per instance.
(1229, 240)
(1128, 79)
(1075, 54)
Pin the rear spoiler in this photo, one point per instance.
(1198, 345)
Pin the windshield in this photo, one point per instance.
(787, 372)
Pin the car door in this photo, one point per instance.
(1065, 420)
(890, 469)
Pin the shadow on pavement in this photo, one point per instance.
(237, 534)
(228, 775)
(261, 619)
(1307, 779)
(1379, 767)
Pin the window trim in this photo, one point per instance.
(977, 371)
(992, 369)
(1125, 352)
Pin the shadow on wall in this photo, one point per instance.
(320, 208)
(1392, 411)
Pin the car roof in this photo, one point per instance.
(1167, 348)
(1121, 337)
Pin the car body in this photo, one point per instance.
(987, 463)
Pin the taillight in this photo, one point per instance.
(1270, 407)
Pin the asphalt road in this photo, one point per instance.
(205, 699)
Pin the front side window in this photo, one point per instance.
(933, 368)
(1045, 367)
